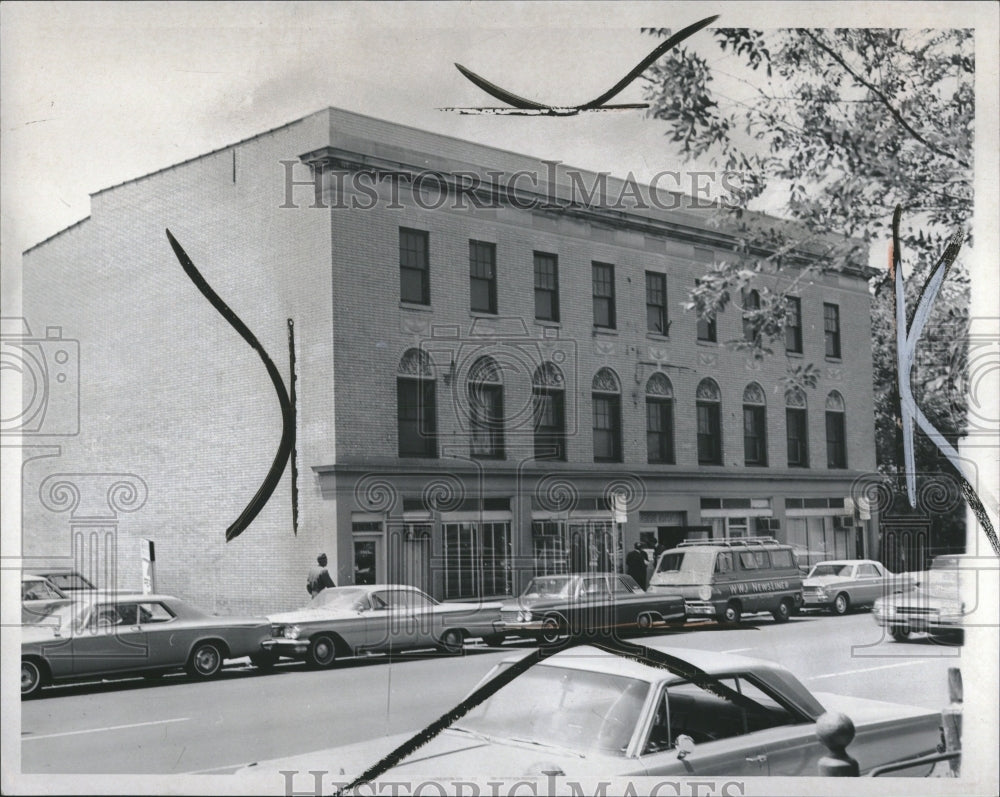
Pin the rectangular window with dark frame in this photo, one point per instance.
(706, 326)
(483, 277)
(546, 287)
(604, 294)
(607, 429)
(414, 266)
(831, 328)
(659, 430)
(754, 435)
(550, 424)
(793, 325)
(416, 417)
(486, 403)
(796, 431)
(656, 302)
(709, 434)
(836, 440)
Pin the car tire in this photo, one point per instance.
(553, 630)
(900, 634)
(493, 640)
(452, 642)
(841, 604)
(783, 612)
(32, 677)
(322, 652)
(644, 621)
(205, 660)
(731, 613)
(264, 661)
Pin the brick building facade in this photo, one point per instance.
(484, 390)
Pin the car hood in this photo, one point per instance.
(451, 753)
(824, 581)
(312, 615)
(39, 633)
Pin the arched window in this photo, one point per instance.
(751, 324)
(485, 384)
(754, 426)
(548, 390)
(607, 404)
(709, 408)
(659, 419)
(416, 405)
(797, 429)
(836, 431)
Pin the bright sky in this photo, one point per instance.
(97, 93)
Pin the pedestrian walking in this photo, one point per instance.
(635, 564)
(319, 577)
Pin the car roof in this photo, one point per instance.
(592, 659)
(847, 562)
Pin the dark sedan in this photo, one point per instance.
(553, 607)
(134, 635)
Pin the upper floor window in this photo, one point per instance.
(656, 302)
(707, 329)
(485, 385)
(548, 389)
(709, 412)
(483, 276)
(754, 425)
(793, 324)
(416, 406)
(606, 400)
(796, 429)
(831, 328)
(604, 294)
(546, 287)
(659, 420)
(414, 266)
(751, 324)
(836, 432)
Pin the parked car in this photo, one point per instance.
(38, 597)
(586, 712)
(936, 606)
(137, 634)
(844, 584)
(729, 577)
(553, 607)
(378, 618)
(66, 578)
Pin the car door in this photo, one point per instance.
(167, 641)
(626, 602)
(685, 709)
(595, 603)
(870, 584)
(110, 641)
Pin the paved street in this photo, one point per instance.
(176, 725)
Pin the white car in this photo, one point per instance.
(584, 712)
(379, 618)
(844, 584)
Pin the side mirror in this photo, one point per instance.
(684, 745)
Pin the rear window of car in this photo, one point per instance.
(68, 580)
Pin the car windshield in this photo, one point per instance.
(685, 567)
(69, 581)
(62, 616)
(337, 598)
(562, 708)
(830, 569)
(548, 587)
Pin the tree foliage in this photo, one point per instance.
(832, 130)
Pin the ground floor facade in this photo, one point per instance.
(468, 532)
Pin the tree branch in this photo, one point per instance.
(885, 101)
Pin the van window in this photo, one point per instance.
(748, 560)
(763, 560)
(782, 559)
(685, 567)
(724, 562)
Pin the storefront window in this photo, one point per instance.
(477, 559)
(584, 546)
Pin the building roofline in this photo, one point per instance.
(56, 234)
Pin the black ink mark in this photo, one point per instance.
(907, 337)
(287, 419)
(522, 106)
(617, 647)
(293, 458)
